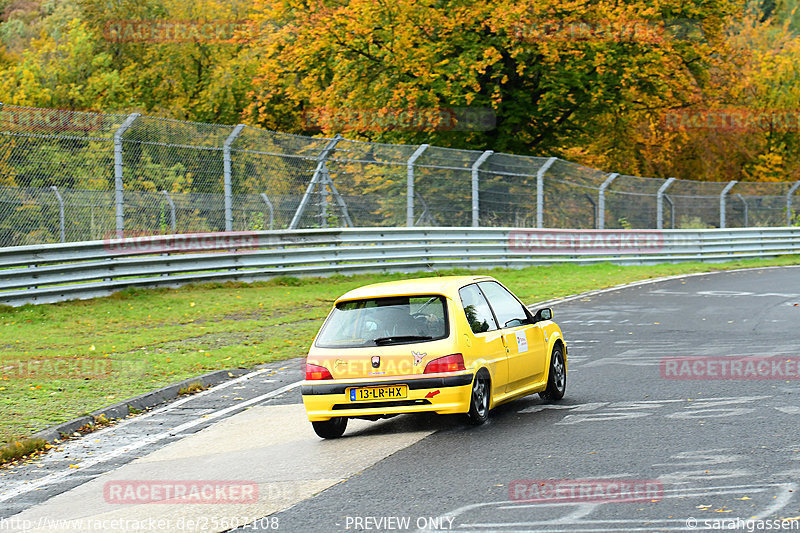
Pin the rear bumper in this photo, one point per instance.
(441, 394)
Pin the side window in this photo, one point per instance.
(506, 307)
(479, 314)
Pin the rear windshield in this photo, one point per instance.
(384, 321)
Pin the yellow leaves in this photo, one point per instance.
(492, 54)
(769, 166)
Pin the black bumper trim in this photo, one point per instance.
(413, 384)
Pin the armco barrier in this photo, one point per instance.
(57, 272)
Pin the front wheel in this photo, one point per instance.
(556, 378)
(479, 402)
(331, 429)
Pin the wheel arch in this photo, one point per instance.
(484, 372)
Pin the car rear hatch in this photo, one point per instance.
(385, 336)
(375, 362)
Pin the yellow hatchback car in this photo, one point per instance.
(456, 344)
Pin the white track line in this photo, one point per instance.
(555, 301)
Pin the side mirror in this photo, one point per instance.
(543, 314)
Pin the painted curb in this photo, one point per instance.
(142, 402)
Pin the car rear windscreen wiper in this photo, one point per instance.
(401, 338)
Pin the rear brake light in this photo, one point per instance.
(448, 363)
(317, 372)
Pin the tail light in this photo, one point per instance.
(314, 372)
(448, 363)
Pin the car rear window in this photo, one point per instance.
(385, 321)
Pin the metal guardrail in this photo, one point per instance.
(67, 271)
(71, 176)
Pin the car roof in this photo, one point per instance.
(447, 285)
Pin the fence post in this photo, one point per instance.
(171, 210)
(318, 172)
(789, 202)
(226, 155)
(323, 198)
(60, 212)
(744, 203)
(540, 191)
(671, 211)
(475, 182)
(722, 196)
(410, 184)
(119, 197)
(594, 209)
(660, 203)
(271, 209)
(601, 200)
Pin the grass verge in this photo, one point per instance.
(58, 361)
(17, 449)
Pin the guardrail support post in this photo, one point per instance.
(660, 203)
(171, 210)
(318, 172)
(60, 212)
(540, 191)
(789, 195)
(119, 197)
(601, 200)
(722, 197)
(410, 184)
(475, 183)
(226, 155)
(271, 209)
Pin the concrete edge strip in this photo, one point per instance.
(142, 402)
(29, 486)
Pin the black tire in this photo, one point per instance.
(556, 377)
(479, 400)
(331, 429)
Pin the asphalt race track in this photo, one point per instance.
(641, 441)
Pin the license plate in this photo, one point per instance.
(371, 394)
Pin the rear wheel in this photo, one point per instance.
(331, 429)
(479, 403)
(557, 377)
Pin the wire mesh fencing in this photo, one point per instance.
(70, 176)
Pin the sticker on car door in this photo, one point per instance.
(522, 341)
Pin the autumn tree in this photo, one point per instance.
(551, 73)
